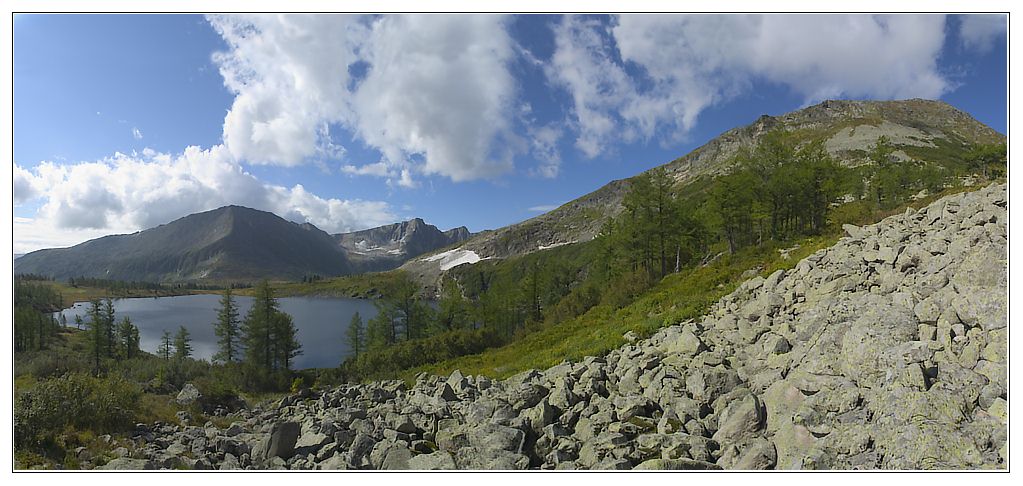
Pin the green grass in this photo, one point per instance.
(678, 297)
(686, 295)
(70, 295)
(363, 286)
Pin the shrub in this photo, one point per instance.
(73, 400)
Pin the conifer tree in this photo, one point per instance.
(109, 328)
(257, 328)
(97, 332)
(166, 345)
(270, 336)
(453, 312)
(227, 329)
(356, 335)
(285, 339)
(128, 338)
(182, 344)
(380, 329)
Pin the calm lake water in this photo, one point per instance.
(321, 322)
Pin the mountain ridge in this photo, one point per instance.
(919, 130)
(228, 243)
(915, 126)
(387, 247)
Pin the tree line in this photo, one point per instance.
(264, 344)
(783, 188)
(34, 324)
(109, 338)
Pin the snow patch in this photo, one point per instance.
(554, 245)
(362, 248)
(453, 258)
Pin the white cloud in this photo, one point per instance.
(544, 144)
(438, 88)
(25, 186)
(135, 132)
(31, 234)
(378, 169)
(682, 64)
(127, 193)
(582, 63)
(432, 92)
(979, 32)
(289, 74)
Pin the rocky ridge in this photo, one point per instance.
(887, 350)
(848, 127)
(387, 247)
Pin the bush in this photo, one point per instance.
(217, 392)
(387, 361)
(74, 400)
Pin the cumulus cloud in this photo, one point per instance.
(135, 132)
(127, 193)
(438, 87)
(31, 234)
(430, 92)
(979, 32)
(650, 76)
(25, 186)
(290, 75)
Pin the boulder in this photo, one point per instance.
(397, 458)
(758, 455)
(188, 395)
(127, 463)
(440, 460)
(740, 418)
(310, 442)
(282, 439)
(677, 465)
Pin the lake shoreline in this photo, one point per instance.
(321, 322)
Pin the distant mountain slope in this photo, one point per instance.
(387, 247)
(230, 243)
(922, 129)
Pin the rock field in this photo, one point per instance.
(885, 351)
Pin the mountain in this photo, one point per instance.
(387, 247)
(808, 368)
(923, 130)
(230, 243)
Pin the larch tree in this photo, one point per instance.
(182, 344)
(356, 335)
(227, 328)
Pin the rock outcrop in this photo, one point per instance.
(887, 350)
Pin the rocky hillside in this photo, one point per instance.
(387, 247)
(229, 243)
(922, 130)
(887, 350)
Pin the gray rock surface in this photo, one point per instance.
(885, 351)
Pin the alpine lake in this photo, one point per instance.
(321, 322)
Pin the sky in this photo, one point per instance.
(125, 122)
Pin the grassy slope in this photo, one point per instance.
(362, 286)
(686, 295)
(70, 295)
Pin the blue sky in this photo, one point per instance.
(123, 122)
